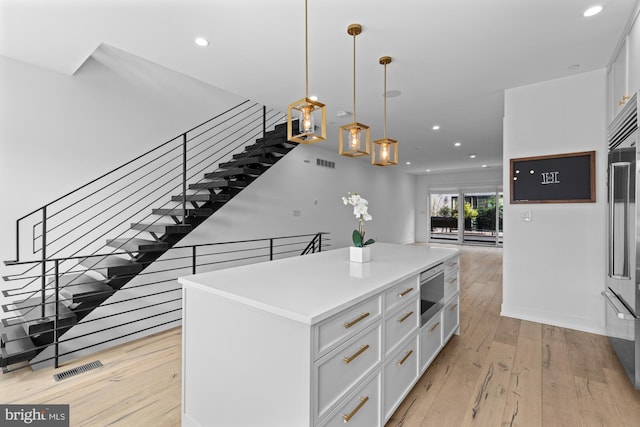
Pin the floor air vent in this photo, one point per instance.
(79, 370)
(325, 163)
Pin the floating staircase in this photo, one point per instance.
(26, 335)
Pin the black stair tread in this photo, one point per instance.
(233, 172)
(162, 228)
(31, 313)
(218, 183)
(248, 160)
(274, 149)
(111, 265)
(270, 142)
(84, 288)
(137, 245)
(16, 345)
(203, 197)
(181, 212)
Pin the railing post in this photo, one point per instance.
(55, 319)
(193, 260)
(184, 178)
(264, 121)
(319, 242)
(18, 241)
(44, 263)
(271, 249)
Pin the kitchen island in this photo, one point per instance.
(311, 341)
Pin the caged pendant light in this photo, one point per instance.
(385, 150)
(306, 109)
(354, 137)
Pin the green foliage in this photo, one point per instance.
(445, 211)
(358, 238)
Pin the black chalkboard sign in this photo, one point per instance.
(560, 178)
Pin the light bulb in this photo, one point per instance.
(306, 119)
(385, 152)
(353, 138)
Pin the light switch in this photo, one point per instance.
(525, 216)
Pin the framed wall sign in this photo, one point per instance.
(559, 178)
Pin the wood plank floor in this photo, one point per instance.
(498, 372)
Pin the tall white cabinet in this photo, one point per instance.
(313, 340)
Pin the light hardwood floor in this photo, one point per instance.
(498, 372)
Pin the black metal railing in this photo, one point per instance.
(81, 220)
(152, 301)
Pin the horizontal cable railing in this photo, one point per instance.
(152, 299)
(82, 220)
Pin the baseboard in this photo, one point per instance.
(554, 319)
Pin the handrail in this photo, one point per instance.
(195, 256)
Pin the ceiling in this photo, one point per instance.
(452, 59)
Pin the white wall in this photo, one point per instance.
(58, 132)
(554, 265)
(483, 179)
(295, 183)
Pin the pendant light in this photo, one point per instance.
(354, 137)
(307, 110)
(385, 150)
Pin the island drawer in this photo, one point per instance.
(400, 373)
(400, 293)
(451, 317)
(361, 409)
(345, 324)
(340, 370)
(430, 340)
(450, 286)
(451, 265)
(400, 324)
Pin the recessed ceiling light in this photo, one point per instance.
(201, 41)
(313, 98)
(343, 113)
(485, 166)
(472, 156)
(408, 163)
(427, 170)
(393, 93)
(436, 127)
(593, 10)
(457, 144)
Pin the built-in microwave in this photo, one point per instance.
(431, 292)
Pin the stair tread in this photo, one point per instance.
(16, 345)
(181, 212)
(203, 197)
(274, 149)
(31, 313)
(218, 183)
(162, 227)
(248, 160)
(137, 245)
(113, 264)
(233, 172)
(82, 287)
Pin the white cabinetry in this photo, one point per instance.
(623, 77)
(312, 347)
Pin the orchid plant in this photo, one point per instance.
(360, 210)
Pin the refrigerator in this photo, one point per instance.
(622, 292)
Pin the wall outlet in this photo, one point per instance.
(296, 213)
(525, 216)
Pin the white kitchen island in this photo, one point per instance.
(313, 340)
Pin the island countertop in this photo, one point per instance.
(311, 288)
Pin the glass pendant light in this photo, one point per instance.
(354, 137)
(385, 150)
(307, 110)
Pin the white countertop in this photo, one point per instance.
(311, 288)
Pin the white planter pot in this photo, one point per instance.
(360, 254)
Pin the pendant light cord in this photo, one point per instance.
(306, 48)
(385, 101)
(354, 78)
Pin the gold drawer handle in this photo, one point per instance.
(353, 322)
(348, 417)
(400, 295)
(451, 264)
(404, 359)
(455, 279)
(433, 328)
(350, 359)
(405, 317)
(453, 307)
